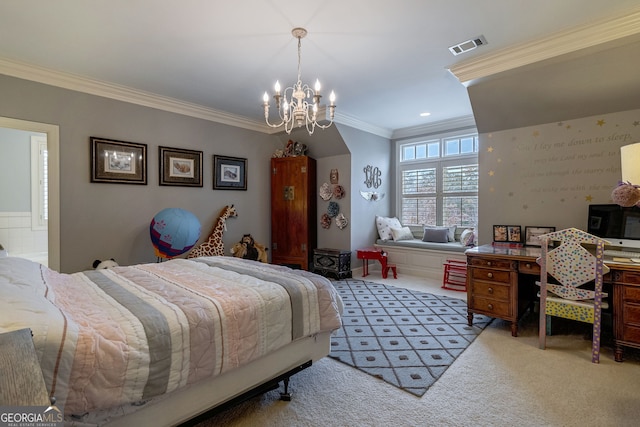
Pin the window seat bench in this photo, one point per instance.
(421, 259)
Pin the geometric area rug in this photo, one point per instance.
(404, 337)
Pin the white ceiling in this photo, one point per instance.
(387, 60)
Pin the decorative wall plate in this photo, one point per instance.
(325, 221)
(341, 221)
(325, 191)
(333, 209)
(338, 192)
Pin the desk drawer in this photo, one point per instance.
(490, 262)
(491, 306)
(491, 275)
(631, 294)
(631, 314)
(491, 290)
(528, 267)
(630, 277)
(631, 334)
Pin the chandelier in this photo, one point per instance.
(298, 104)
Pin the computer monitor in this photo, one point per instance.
(619, 225)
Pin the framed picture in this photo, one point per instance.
(180, 167)
(118, 162)
(229, 173)
(507, 233)
(531, 234)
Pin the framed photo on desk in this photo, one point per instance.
(507, 234)
(532, 234)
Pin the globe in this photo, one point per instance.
(174, 231)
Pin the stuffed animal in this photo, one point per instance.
(108, 263)
(247, 248)
(626, 194)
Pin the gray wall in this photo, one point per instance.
(15, 173)
(367, 149)
(547, 175)
(99, 221)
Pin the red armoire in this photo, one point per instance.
(293, 211)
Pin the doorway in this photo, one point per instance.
(29, 217)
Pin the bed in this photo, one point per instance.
(162, 343)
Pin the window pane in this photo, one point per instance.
(452, 147)
(418, 210)
(419, 181)
(421, 151)
(408, 153)
(467, 145)
(460, 178)
(460, 211)
(433, 149)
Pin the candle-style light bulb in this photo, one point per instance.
(265, 98)
(317, 87)
(277, 87)
(332, 98)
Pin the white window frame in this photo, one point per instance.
(439, 163)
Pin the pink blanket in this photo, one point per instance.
(110, 337)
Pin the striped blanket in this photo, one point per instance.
(110, 337)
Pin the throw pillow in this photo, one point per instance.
(451, 231)
(436, 235)
(467, 237)
(385, 224)
(403, 233)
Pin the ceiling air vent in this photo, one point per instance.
(468, 45)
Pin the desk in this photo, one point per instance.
(501, 283)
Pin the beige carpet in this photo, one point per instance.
(498, 381)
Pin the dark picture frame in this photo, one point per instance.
(507, 233)
(531, 234)
(180, 167)
(118, 162)
(229, 173)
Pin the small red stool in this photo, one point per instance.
(393, 268)
(455, 274)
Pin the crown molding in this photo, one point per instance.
(560, 43)
(347, 120)
(122, 93)
(464, 122)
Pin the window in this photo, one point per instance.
(438, 181)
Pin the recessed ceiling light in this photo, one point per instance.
(425, 114)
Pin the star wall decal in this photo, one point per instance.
(491, 173)
(490, 149)
(601, 122)
(536, 133)
(589, 198)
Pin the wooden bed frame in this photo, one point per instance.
(199, 401)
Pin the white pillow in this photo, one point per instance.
(403, 233)
(467, 237)
(385, 224)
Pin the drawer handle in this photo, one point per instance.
(490, 306)
(490, 290)
(489, 275)
(528, 265)
(489, 263)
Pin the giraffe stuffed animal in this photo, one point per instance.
(214, 246)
